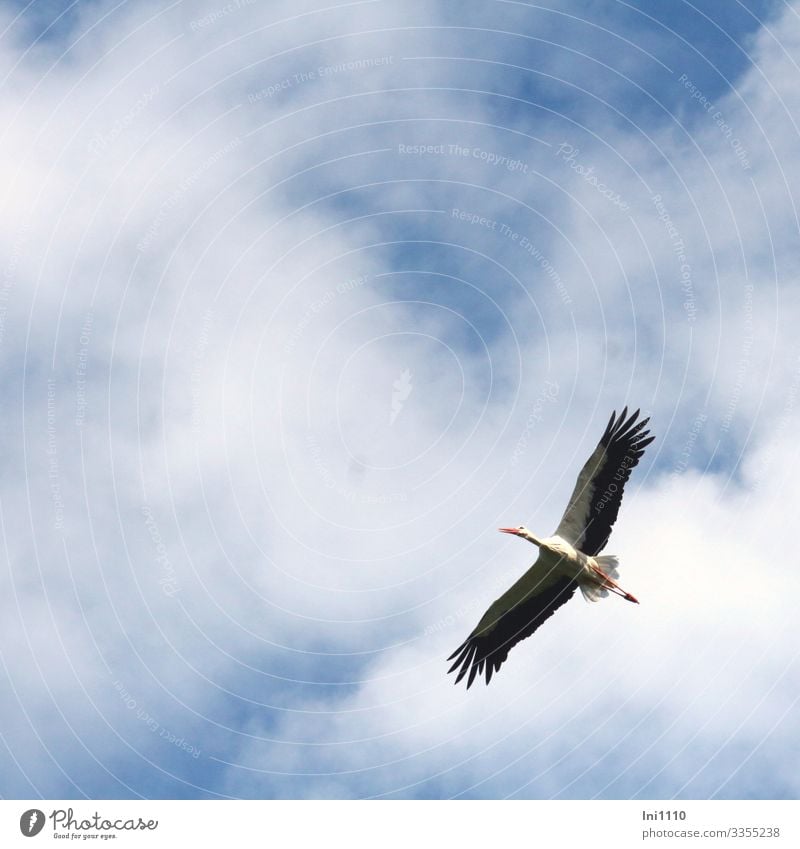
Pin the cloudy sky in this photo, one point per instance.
(301, 301)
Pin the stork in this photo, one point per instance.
(568, 560)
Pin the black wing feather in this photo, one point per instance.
(487, 647)
(594, 505)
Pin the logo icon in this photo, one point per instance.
(31, 822)
(401, 390)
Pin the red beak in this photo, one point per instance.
(514, 531)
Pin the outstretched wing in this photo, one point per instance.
(513, 617)
(595, 501)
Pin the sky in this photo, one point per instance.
(300, 302)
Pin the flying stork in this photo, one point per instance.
(568, 560)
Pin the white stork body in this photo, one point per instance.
(560, 559)
(568, 560)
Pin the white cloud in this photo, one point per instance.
(255, 269)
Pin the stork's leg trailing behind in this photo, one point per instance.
(599, 579)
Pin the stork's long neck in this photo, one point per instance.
(535, 540)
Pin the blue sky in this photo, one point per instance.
(235, 553)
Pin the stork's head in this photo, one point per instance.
(522, 532)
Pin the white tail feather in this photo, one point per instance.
(591, 590)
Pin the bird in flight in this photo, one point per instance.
(568, 560)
